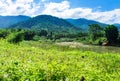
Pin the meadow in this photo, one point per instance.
(48, 61)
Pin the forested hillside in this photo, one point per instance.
(47, 22)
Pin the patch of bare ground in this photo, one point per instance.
(72, 44)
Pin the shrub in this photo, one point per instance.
(16, 37)
(95, 31)
(28, 35)
(43, 33)
(36, 38)
(4, 33)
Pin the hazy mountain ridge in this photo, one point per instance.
(84, 23)
(47, 22)
(6, 21)
(117, 25)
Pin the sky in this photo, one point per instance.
(105, 11)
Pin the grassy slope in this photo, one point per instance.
(33, 61)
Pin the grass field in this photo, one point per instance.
(41, 61)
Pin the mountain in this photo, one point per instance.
(6, 21)
(84, 23)
(117, 25)
(47, 22)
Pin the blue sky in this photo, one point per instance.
(106, 11)
(104, 5)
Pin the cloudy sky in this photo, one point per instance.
(106, 11)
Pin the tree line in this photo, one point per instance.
(110, 34)
(95, 35)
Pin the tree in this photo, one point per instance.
(43, 33)
(111, 33)
(4, 33)
(95, 31)
(50, 36)
(29, 34)
(16, 37)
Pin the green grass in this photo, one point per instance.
(41, 61)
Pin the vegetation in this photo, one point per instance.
(16, 37)
(96, 35)
(47, 48)
(53, 28)
(95, 31)
(49, 62)
(111, 33)
(44, 60)
(28, 34)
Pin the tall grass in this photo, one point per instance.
(40, 61)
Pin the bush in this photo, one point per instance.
(4, 33)
(16, 37)
(28, 35)
(36, 38)
(43, 33)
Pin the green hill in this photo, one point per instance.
(48, 23)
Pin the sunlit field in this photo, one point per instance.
(40, 61)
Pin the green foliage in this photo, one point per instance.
(95, 31)
(4, 33)
(35, 61)
(111, 33)
(29, 34)
(99, 41)
(50, 36)
(16, 37)
(36, 38)
(43, 33)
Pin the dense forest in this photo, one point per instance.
(96, 35)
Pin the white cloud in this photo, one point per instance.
(16, 7)
(62, 9)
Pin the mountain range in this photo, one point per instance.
(84, 23)
(47, 22)
(6, 21)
